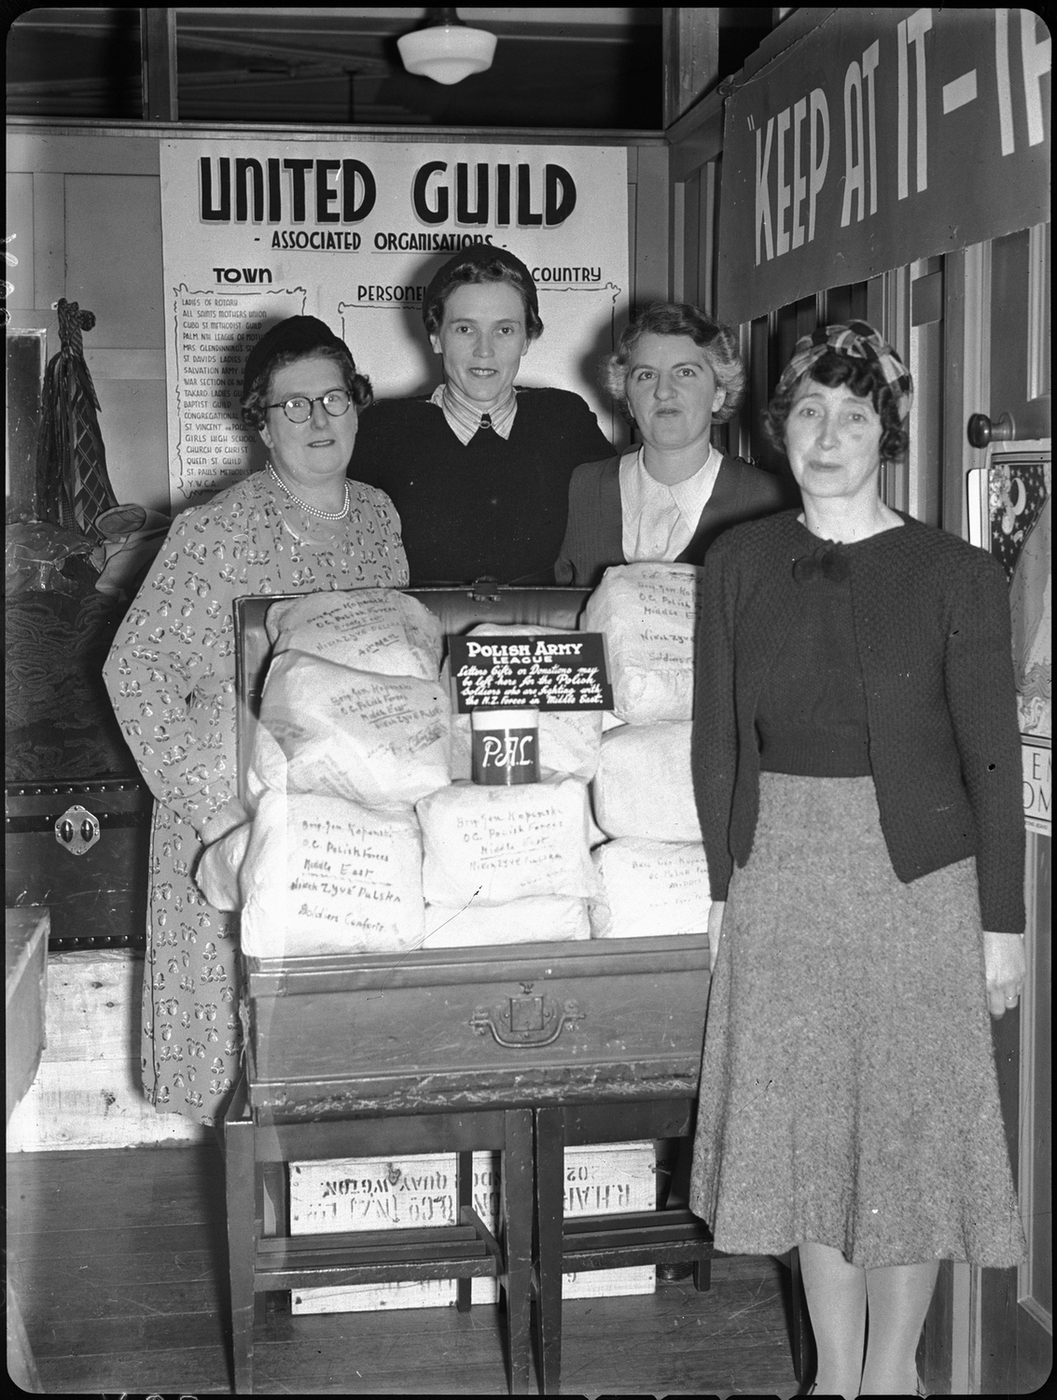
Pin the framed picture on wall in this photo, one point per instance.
(1009, 515)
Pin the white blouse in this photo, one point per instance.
(659, 521)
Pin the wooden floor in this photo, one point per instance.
(120, 1262)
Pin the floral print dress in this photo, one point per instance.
(171, 679)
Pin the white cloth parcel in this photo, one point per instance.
(568, 740)
(643, 785)
(490, 845)
(650, 888)
(218, 870)
(322, 875)
(543, 918)
(376, 739)
(369, 629)
(647, 614)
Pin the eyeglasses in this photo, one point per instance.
(299, 408)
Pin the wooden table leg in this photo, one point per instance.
(796, 1302)
(240, 1189)
(517, 1201)
(550, 1211)
(464, 1197)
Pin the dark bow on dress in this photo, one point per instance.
(829, 561)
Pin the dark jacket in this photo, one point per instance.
(595, 528)
(932, 626)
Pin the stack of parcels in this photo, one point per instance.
(652, 870)
(367, 835)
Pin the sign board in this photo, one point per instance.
(880, 137)
(560, 671)
(259, 229)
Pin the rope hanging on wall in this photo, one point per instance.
(73, 486)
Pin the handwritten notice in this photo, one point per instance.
(559, 671)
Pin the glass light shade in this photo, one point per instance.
(447, 53)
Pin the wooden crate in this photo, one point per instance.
(87, 1092)
(377, 1194)
(25, 997)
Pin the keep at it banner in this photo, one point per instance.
(882, 136)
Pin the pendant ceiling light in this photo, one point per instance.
(447, 50)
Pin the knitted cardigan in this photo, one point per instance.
(594, 535)
(933, 633)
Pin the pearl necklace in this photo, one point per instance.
(314, 510)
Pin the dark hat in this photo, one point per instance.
(296, 336)
(481, 255)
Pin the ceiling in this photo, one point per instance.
(590, 68)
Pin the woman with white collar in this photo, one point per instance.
(479, 469)
(674, 372)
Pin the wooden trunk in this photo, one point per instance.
(463, 1027)
(81, 849)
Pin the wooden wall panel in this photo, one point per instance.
(19, 234)
(132, 418)
(114, 257)
(49, 248)
(650, 196)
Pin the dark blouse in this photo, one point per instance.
(811, 716)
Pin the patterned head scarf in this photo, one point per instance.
(859, 341)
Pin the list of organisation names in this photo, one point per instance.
(215, 333)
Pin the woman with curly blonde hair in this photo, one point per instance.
(674, 372)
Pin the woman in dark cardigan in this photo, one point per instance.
(479, 469)
(674, 372)
(856, 761)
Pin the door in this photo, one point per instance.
(1010, 1312)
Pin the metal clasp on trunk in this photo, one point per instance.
(527, 1022)
(77, 830)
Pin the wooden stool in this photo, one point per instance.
(260, 1262)
(614, 1241)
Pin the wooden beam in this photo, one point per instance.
(691, 57)
(157, 29)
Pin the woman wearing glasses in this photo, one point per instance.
(297, 526)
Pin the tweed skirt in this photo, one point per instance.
(848, 1087)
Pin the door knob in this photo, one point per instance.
(982, 431)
